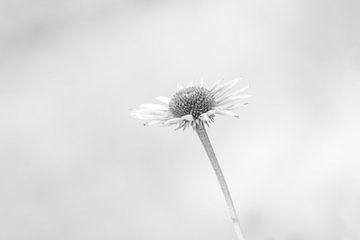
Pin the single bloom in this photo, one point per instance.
(193, 105)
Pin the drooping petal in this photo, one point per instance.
(181, 125)
(227, 113)
(154, 123)
(151, 112)
(188, 117)
(154, 106)
(204, 118)
(173, 121)
(149, 116)
(186, 125)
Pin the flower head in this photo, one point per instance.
(193, 105)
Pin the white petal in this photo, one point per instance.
(154, 106)
(231, 83)
(151, 114)
(153, 123)
(162, 99)
(227, 113)
(201, 82)
(224, 88)
(234, 94)
(226, 103)
(240, 90)
(151, 111)
(146, 109)
(215, 85)
(204, 117)
(179, 87)
(186, 125)
(231, 107)
(210, 112)
(150, 117)
(173, 121)
(231, 100)
(222, 93)
(242, 96)
(229, 97)
(147, 117)
(182, 125)
(221, 99)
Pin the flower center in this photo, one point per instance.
(191, 100)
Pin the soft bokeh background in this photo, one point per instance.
(74, 165)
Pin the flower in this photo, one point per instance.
(193, 105)
(197, 106)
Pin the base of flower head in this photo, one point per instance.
(196, 123)
(188, 120)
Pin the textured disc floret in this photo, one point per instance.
(192, 100)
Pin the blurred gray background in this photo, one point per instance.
(74, 165)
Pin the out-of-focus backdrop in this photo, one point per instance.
(74, 165)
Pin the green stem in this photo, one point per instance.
(200, 130)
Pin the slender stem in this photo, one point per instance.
(200, 130)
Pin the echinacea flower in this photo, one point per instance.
(197, 106)
(193, 105)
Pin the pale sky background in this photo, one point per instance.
(75, 166)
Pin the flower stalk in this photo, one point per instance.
(201, 132)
